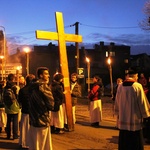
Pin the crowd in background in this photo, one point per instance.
(38, 106)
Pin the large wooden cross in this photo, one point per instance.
(62, 38)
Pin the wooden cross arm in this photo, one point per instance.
(54, 36)
(73, 38)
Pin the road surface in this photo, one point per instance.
(84, 137)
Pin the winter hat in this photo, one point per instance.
(58, 76)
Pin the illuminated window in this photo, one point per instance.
(111, 53)
(126, 61)
(106, 53)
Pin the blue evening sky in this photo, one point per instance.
(99, 20)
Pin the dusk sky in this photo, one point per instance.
(99, 20)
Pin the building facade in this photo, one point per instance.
(48, 56)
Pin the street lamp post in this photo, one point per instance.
(2, 57)
(110, 72)
(17, 73)
(27, 50)
(88, 70)
(4, 53)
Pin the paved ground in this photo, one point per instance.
(84, 137)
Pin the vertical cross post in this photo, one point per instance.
(62, 38)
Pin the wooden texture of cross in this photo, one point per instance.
(62, 38)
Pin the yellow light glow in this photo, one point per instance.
(1, 57)
(109, 61)
(87, 59)
(27, 49)
(19, 67)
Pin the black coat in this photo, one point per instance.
(23, 99)
(57, 91)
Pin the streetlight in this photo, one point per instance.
(2, 57)
(4, 50)
(27, 50)
(18, 68)
(110, 72)
(88, 70)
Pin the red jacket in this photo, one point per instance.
(94, 93)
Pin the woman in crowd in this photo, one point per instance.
(57, 115)
(95, 101)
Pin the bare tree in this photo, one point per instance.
(145, 23)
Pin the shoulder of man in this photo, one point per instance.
(8, 96)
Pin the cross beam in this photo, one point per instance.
(62, 38)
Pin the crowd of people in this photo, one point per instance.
(34, 108)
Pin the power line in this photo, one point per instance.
(68, 26)
(31, 32)
(109, 27)
(26, 42)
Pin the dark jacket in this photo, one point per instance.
(114, 92)
(76, 93)
(41, 101)
(57, 90)
(23, 99)
(10, 97)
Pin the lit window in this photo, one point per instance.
(106, 53)
(126, 61)
(111, 53)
